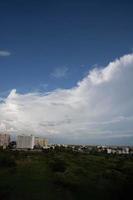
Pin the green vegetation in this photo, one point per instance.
(67, 175)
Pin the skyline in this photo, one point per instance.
(66, 70)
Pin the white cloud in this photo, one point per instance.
(99, 107)
(4, 53)
(59, 72)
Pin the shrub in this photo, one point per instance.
(58, 165)
(7, 161)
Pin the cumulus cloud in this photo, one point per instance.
(4, 53)
(59, 72)
(99, 107)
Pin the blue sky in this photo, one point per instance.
(44, 35)
(66, 69)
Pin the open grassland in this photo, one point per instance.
(66, 175)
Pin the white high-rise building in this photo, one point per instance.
(4, 140)
(25, 142)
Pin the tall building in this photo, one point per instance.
(4, 140)
(41, 142)
(25, 142)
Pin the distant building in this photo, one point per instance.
(109, 151)
(25, 142)
(118, 150)
(126, 150)
(4, 140)
(41, 142)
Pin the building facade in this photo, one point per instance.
(25, 142)
(4, 140)
(41, 142)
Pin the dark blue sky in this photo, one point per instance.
(46, 37)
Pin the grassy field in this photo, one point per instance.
(64, 175)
